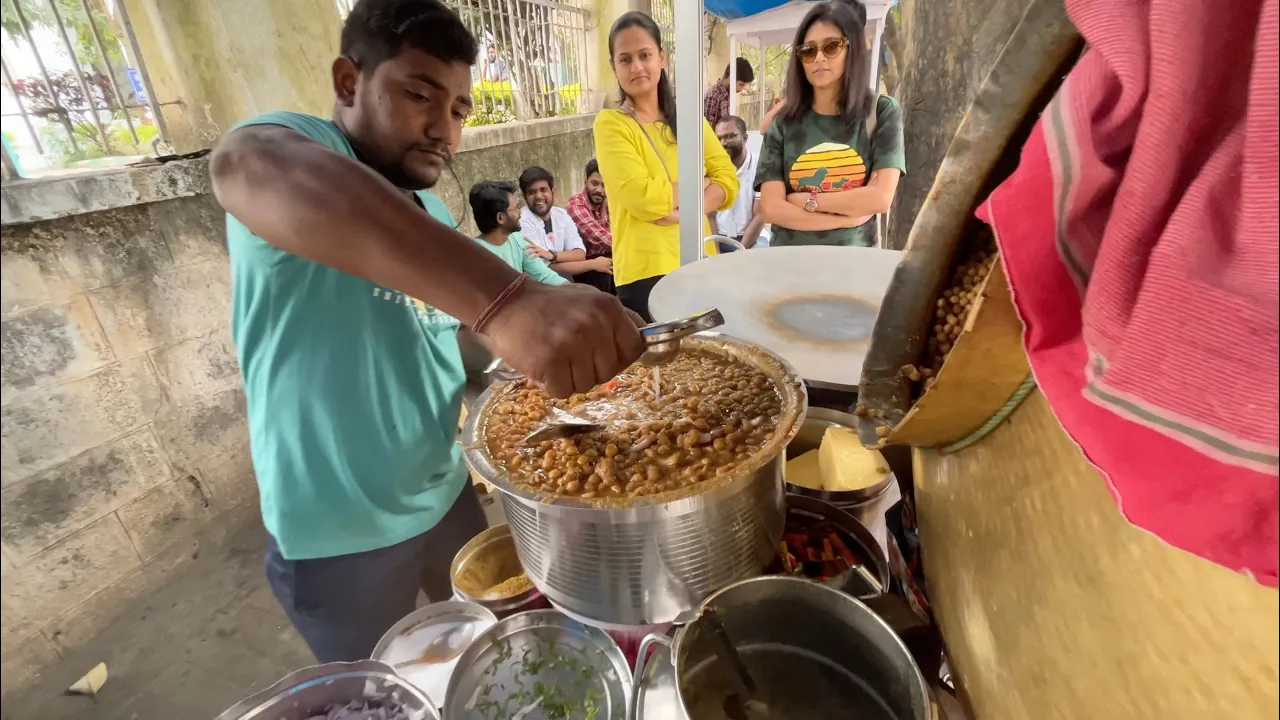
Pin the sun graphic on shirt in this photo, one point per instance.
(829, 167)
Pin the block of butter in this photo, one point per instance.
(845, 464)
(804, 471)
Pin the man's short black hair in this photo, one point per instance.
(737, 122)
(532, 175)
(489, 198)
(593, 167)
(745, 73)
(377, 30)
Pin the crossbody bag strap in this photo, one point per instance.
(626, 109)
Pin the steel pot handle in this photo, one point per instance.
(642, 667)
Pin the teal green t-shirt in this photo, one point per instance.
(513, 252)
(353, 392)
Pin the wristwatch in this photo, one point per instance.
(811, 205)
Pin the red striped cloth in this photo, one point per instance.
(1139, 234)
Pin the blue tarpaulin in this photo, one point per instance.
(734, 9)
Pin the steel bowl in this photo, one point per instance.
(493, 540)
(809, 437)
(526, 657)
(853, 531)
(650, 560)
(301, 694)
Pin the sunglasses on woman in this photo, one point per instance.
(831, 47)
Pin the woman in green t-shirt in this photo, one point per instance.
(831, 159)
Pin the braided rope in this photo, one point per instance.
(1024, 389)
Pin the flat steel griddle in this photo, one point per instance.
(814, 306)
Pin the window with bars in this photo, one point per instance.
(76, 91)
(532, 61)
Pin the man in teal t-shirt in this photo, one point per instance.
(497, 215)
(347, 299)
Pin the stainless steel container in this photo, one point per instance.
(536, 664)
(809, 437)
(654, 559)
(865, 543)
(463, 573)
(305, 693)
(812, 651)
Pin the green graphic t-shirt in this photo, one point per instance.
(817, 152)
(353, 392)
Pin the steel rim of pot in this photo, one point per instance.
(326, 677)
(920, 689)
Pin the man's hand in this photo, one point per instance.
(568, 339)
(539, 252)
(602, 264)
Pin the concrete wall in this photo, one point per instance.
(228, 60)
(120, 399)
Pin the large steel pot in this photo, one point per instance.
(654, 559)
(813, 652)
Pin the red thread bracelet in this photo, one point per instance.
(497, 304)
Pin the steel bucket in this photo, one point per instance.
(812, 651)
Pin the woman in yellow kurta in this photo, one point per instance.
(636, 150)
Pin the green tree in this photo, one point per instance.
(39, 13)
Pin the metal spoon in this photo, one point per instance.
(559, 424)
(443, 647)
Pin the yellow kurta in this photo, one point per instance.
(639, 192)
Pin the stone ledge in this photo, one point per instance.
(487, 136)
(49, 198)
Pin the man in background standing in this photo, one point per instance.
(743, 221)
(590, 213)
(550, 231)
(715, 103)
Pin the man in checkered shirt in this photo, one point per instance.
(715, 103)
(590, 213)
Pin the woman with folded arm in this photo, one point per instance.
(636, 149)
(832, 157)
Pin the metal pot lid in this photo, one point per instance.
(408, 639)
(539, 665)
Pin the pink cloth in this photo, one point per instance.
(1139, 234)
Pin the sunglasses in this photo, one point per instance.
(808, 52)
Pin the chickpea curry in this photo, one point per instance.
(713, 413)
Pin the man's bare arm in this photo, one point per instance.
(318, 204)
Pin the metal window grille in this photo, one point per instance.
(532, 61)
(75, 85)
(533, 58)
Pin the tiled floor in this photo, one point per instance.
(210, 638)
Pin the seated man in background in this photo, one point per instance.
(590, 213)
(743, 221)
(497, 214)
(550, 231)
(715, 103)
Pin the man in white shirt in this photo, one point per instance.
(550, 232)
(743, 220)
